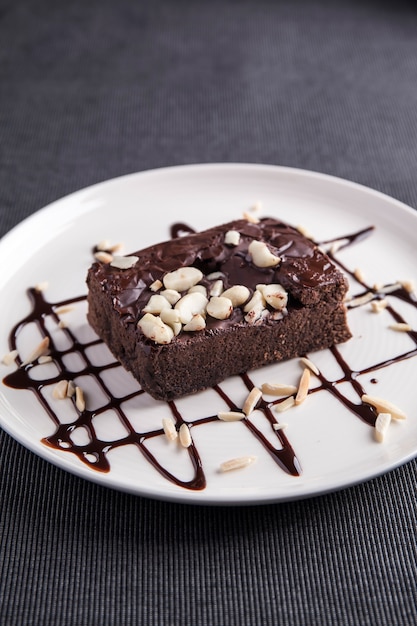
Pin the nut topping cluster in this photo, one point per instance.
(181, 303)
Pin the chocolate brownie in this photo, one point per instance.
(185, 314)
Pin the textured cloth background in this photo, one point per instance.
(90, 90)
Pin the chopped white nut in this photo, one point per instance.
(103, 257)
(182, 278)
(238, 463)
(278, 389)
(59, 392)
(238, 294)
(169, 428)
(154, 328)
(232, 238)
(215, 275)
(156, 304)
(124, 262)
(252, 401)
(172, 318)
(199, 288)
(254, 308)
(10, 357)
(310, 365)
(285, 404)
(40, 350)
(384, 406)
(79, 399)
(381, 426)
(171, 295)
(303, 386)
(275, 295)
(230, 416)
(262, 255)
(401, 327)
(156, 285)
(217, 288)
(191, 304)
(196, 323)
(185, 436)
(219, 307)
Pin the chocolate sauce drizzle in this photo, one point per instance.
(95, 453)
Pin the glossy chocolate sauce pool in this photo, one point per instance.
(94, 452)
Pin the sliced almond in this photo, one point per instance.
(401, 327)
(103, 257)
(45, 358)
(59, 392)
(230, 416)
(43, 286)
(285, 404)
(185, 436)
(303, 386)
(70, 389)
(378, 306)
(10, 357)
(381, 426)
(408, 285)
(40, 350)
(169, 428)
(278, 389)
(310, 365)
(252, 401)
(238, 463)
(279, 426)
(384, 406)
(360, 300)
(249, 217)
(262, 255)
(79, 399)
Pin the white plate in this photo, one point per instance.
(335, 448)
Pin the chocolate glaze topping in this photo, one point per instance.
(217, 255)
(303, 270)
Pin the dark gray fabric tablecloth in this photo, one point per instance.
(90, 90)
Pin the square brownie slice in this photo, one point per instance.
(185, 314)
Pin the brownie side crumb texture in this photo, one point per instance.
(315, 316)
